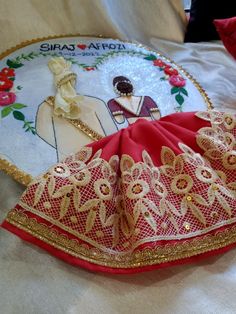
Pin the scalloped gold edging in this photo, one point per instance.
(139, 258)
(25, 178)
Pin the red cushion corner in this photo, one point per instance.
(227, 31)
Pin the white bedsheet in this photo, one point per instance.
(212, 66)
(33, 282)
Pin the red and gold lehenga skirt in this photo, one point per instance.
(154, 194)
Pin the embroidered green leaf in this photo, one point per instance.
(29, 127)
(18, 115)
(178, 109)
(180, 99)
(14, 64)
(19, 87)
(163, 78)
(151, 57)
(18, 106)
(174, 90)
(183, 91)
(31, 55)
(25, 57)
(5, 112)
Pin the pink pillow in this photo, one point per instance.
(227, 31)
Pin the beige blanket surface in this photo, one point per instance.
(22, 20)
(32, 281)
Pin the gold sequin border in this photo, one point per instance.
(78, 123)
(17, 174)
(146, 257)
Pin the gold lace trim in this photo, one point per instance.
(217, 191)
(187, 196)
(146, 257)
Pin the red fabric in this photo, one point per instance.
(141, 136)
(227, 31)
(148, 103)
(151, 135)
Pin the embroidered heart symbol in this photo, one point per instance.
(81, 46)
(89, 69)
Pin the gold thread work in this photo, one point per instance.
(146, 257)
(12, 170)
(79, 124)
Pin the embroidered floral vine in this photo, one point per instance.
(8, 97)
(171, 74)
(8, 92)
(175, 79)
(19, 60)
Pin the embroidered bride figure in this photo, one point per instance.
(55, 115)
(127, 108)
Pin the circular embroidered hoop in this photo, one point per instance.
(26, 83)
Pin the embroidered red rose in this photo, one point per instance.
(159, 63)
(5, 83)
(177, 80)
(170, 71)
(7, 98)
(7, 72)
